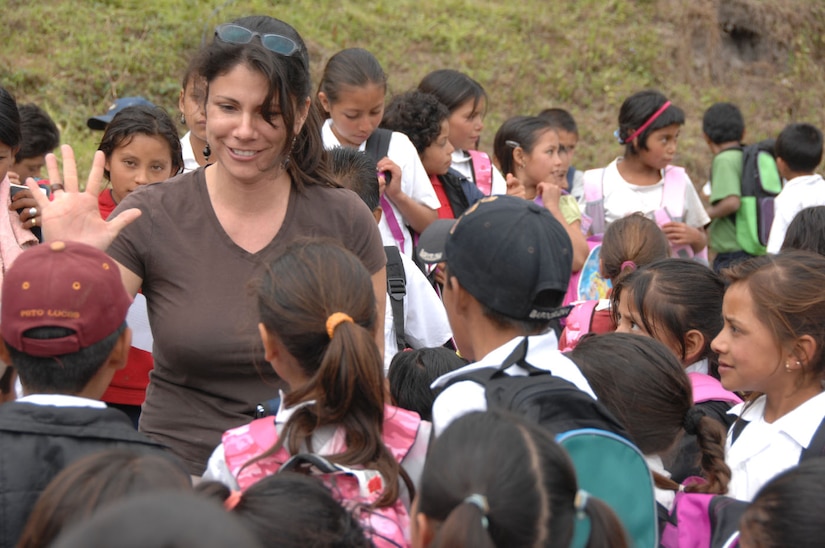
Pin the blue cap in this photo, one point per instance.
(100, 122)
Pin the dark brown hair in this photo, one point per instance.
(95, 482)
(788, 297)
(672, 297)
(289, 86)
(527, 479)
(640, 381)
(301, 289)
(352, 67)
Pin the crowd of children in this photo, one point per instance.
(232, 353)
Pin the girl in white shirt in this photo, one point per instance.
(351, 96)
(772, 346)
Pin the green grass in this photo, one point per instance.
(586, 56)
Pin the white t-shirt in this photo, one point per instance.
(415, 182)
(468, 396)
(189, 161)
(796, 195)
(462, 163)
(764, 449)
(425, 320)
(622, 198)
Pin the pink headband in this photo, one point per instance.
(647, 123)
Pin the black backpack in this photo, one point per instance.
(761, 183)
(541, 397)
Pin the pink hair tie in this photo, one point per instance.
(628, 264)
(647, 123)
(232, 500)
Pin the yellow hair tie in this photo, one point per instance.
(335, 320)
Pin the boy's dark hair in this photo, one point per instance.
(354, 170)
(560, 119)
(9, 119)
(637, 109)
(806, 231)
(723, 123)
(141, 120)
(413, 371)
(66, 374)
(417, 115)
(39, 134)
(800, 147)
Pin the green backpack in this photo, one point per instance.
(761, 183)
(614, 470)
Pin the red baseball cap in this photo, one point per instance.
(62, 284)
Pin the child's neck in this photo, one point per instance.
(636, 172)
(779, 404)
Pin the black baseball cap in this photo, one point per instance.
(511, 254)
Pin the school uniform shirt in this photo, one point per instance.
(468, 396)
(425, 320)
(189, 161)
(796, 195)
(764, 449)
(464, 165)
(415, 183)
(622, 198)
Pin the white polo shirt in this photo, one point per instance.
(764, 449)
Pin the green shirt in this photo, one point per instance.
(726, 180)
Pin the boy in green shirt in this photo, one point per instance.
(724, 130)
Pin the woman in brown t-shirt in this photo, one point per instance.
(193, 246)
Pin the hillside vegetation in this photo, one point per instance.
(73, 58)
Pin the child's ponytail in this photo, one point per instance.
(605, 527)
(466, 525)
(318, 300)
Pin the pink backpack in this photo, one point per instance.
(482, 171)
(672, 207)
(355, 489)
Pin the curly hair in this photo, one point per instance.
(418, 115)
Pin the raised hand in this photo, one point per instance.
(72, 214)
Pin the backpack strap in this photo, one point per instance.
(673, 192)
(397, 290)
(707, 388)
(483, 376)
(482, 171)
(377, 147)
(817, 446)
(378, 144)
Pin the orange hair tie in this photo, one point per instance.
(334, 320)
(232, 500)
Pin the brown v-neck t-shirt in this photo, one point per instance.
(210, 370)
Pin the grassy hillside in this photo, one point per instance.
(586, 56)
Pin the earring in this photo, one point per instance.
(787, 367)
(289, 154)
(207, 152)
(182, 119)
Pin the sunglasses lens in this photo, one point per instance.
(279, 44)
(234, 34)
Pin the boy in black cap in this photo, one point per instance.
(507, 268)
(63, 327)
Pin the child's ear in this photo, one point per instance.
(180, 100)
(378, 212)
(782, 167)
(119, 355)
(803, 351)
(694, 345)
(5, 356)
(271, 349)
(322, 97)
(518, 157)
(426, 531)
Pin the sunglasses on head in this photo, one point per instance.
(236, 34)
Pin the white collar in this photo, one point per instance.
(62, 400)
